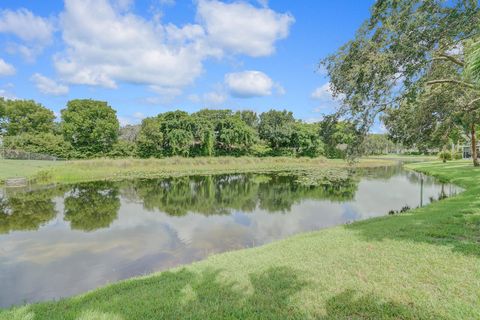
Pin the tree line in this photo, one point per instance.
(90, 128)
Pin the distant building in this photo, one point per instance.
(467, 152)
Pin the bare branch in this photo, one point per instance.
(444, 56)
(462, 83)
(470, 106)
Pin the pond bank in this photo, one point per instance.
(120, 169)
(423, 264)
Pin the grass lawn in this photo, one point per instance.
(117, 169)
(405, 158)
(424, 264)
(22, 168)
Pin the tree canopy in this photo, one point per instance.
(25, 116)
(397, 59)
(90, 126)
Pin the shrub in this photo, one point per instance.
(445, 156)
(44, 143)
(457, 156)
(122, 149)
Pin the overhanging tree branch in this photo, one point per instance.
(459, 82)
(444, 56)
(470, 106)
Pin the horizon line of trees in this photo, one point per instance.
(90, 128)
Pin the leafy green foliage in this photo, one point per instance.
(123, 149)
(445, 156)
(473, 60)
(276, 128)
(26, 210)
(43, 143)
(90, 126)
(403, 48)
(25, 116)
(305, 140)
(220, 194)
(92, 206)
(336, 135)
(377, 144)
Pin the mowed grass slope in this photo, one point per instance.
(424, 264)
(22, 168)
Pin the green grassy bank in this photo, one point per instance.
(424, 264)
(22, 168)
(117, 169)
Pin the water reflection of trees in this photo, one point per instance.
(387, 172)
(225, 193)
(26, 210)
(92, 206)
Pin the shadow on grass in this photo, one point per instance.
(181, 295)
(206, 295)
(349, 305)
(451, 222)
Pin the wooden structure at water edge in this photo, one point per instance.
(16, 182)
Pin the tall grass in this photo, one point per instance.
(115, 169)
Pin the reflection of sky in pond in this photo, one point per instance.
(71, 251)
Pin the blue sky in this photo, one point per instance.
(150, 56)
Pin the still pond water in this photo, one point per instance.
(63, 241)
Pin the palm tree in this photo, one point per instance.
(473, 61)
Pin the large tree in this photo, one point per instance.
(25, 116)
(386, 63)
(90, 126)
(232, 134)
(276, 128)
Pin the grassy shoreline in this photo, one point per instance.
(424, 264)
(119, 169)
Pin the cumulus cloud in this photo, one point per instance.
(323, 92)
(6, 69)
(248, 84)
(49, 86)
(212, 98)
(35, 32)
(112, 46)
(242, 28)
(115, 45)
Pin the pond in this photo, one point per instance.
(62, 241)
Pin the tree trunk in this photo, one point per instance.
(474, 147)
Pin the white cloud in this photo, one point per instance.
(323, 92)
(194, 98)
(280, 90)
(240, 27)
(25, 25)
(139, 116)
(113, 46)
(49, 86)
(6, 69)
(214, 98)
(133, 119)
(313, 119)
(35, 32)
(249, 84)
